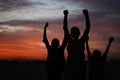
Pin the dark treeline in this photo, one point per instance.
(35, 70)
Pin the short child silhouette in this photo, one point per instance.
(97, 62)
(55, 59)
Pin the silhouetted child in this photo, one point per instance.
(76, 68)
(55, 59)
(97, 62)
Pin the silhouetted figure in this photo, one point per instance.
(75, 67)
(55, 59)
(97, 62)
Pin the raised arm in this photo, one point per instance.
(87, 29)
(45, 40)
(87, 48)
(108, 47)
(65, 27)
(65, 22)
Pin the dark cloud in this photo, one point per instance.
(21, 22)
(6, 5)
(73, 18)
(110, 4)
(105, 4)
(106, 7)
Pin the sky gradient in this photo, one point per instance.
(22, 23)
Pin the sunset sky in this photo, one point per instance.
(22, 23)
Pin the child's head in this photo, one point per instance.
(75, 32)
(55, 43)
(96, 54)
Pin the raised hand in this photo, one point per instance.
(111, 39)
(108, 46)
(85, 11)
(66, 12)
(65, 23)
(87, 29)
(46, 25)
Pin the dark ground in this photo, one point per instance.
(22, 70)
(35, 70)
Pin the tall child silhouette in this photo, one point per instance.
(97, 62)
(76, 68)
(55, 59)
